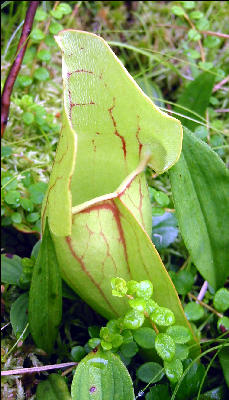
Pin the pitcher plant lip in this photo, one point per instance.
(155, 107)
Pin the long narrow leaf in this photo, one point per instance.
(45, 297)
(200, 186)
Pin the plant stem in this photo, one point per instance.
(21, 371)
(219, 315)
(15, 68)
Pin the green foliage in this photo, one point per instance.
(193, 181)
(102, 375)
(221, 300)
(53, 388)
(45, 296)
(194, 311)
(150, 372)
(19, 314)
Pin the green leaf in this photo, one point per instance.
(164, 230)
(13, 198)
(145, 337)
(102, 375)
(11, 269)
(194, 311)
(16, 218)
(37, 192)
(221, 300)
(41, 74)
(19, 314)
(133, 319)
(24, 80)
(33, 217)
(189, 5)
(150, 372)
(129, 349)
(191, 381)
(173, 369)
(196, 98)
(37, 35)
(200, 186)
(224, 361)
(211, 42)
(56, 14)
(159, 392)
(40, 15)
(27, 204)
(177, 10)
(203, 24)
(144, 289)
(162, 316)
(165, 346)
(161, 198)
(183, 281)
(223, 324)
(180, 334)
(77, 353)
(44, 55)
(55, 27)
(65, 8)
(194, 35)
(45, 296)
(196, 15)
(28, 118)
(53, 388)
(101, 226)
(182, 351)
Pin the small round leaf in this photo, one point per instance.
(129, 349)
(133, 319)
(144, 289)
(221, 300)
(138, 304)
(150, 372)
(179, 333)
(162, 316)
(41, 74)
(145, 337)
(193, 311)
(173, 369)
(165, 346)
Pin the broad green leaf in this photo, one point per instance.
(97, 203)
(11, 269)
(45, 296)
(200, 186)
(102, 375)
(196, 98)
(19, 314)
(53, 388)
